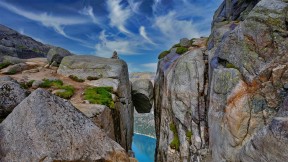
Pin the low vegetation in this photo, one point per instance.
(175, 144)
(163, 54)
(189, 135)
(99, 95)
(27, 85)
(181, 50)
(229, 65)
(92, 78)
(67, 93)
(11, 72)
(176, 45)
(76, 79)
(4, 65)
(49, 83)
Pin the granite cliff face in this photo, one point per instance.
(226, 101)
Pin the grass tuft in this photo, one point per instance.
(68, 93)
(49, 83)
(99, 95)
(181, 50)
(76, 79)
(163, 54)
(4, 65)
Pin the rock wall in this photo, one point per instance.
(230, 95)
(107, 72)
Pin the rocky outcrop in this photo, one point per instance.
(11, 94)
(232, 98)
(56, 54)
(142, 95)
(180, 94)
(247, 87)
(107, 72)
(44, 127)
(17, 45)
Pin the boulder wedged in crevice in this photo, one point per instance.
(142, 95)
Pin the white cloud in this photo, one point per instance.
(143, 33)
(173, 28)
(106, 47)
(149, 67)
(89, 12)
(134, 5)
(57, 23)
(118, 15)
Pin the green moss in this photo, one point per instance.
(99, 95)
(49, 83)
(163, 54)
(4, 65)
(76, 79)
(181, 50)
(92, 78)
(229, 65)
(68, 93)
(175, 143)
(176, 45)
(12, 72)
(189, 135)
(27, 85)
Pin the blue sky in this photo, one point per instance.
(137, 29)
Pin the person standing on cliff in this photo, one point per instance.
(115, 55)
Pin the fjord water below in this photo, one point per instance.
(144, 148)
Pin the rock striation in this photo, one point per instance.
(44, 127)
(107, 72)
(227, 101)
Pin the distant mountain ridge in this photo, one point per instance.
(14, 44)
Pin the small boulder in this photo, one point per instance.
(142, 95)
(185, 42)
(56, 54)
(36, 84)
(48, 128)
(13, 69)
(11, 94)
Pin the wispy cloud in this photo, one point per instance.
(57, 23)
(143, 33)
(89, 12)
(118, 15)
(106, 47)
(135, 6)
(149, 66)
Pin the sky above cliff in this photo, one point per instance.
(137, 29)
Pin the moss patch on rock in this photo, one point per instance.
(4, 65)
(76, 79)
(99, 95)
(163, 54)
(67, 93)
(181, 50)
(175, 143)
(49, 83)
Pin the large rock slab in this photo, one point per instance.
(142, 95)
(11, 94)
(110, 72)
(45, 127)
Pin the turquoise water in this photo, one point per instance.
(144, 148)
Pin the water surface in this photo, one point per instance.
(144, 148)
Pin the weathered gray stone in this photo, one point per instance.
(117, 70)
(44, 127)
(56, 54)
(185, 42)
(36, 84)
(13, 69)
(11, 94)
(142, 95)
